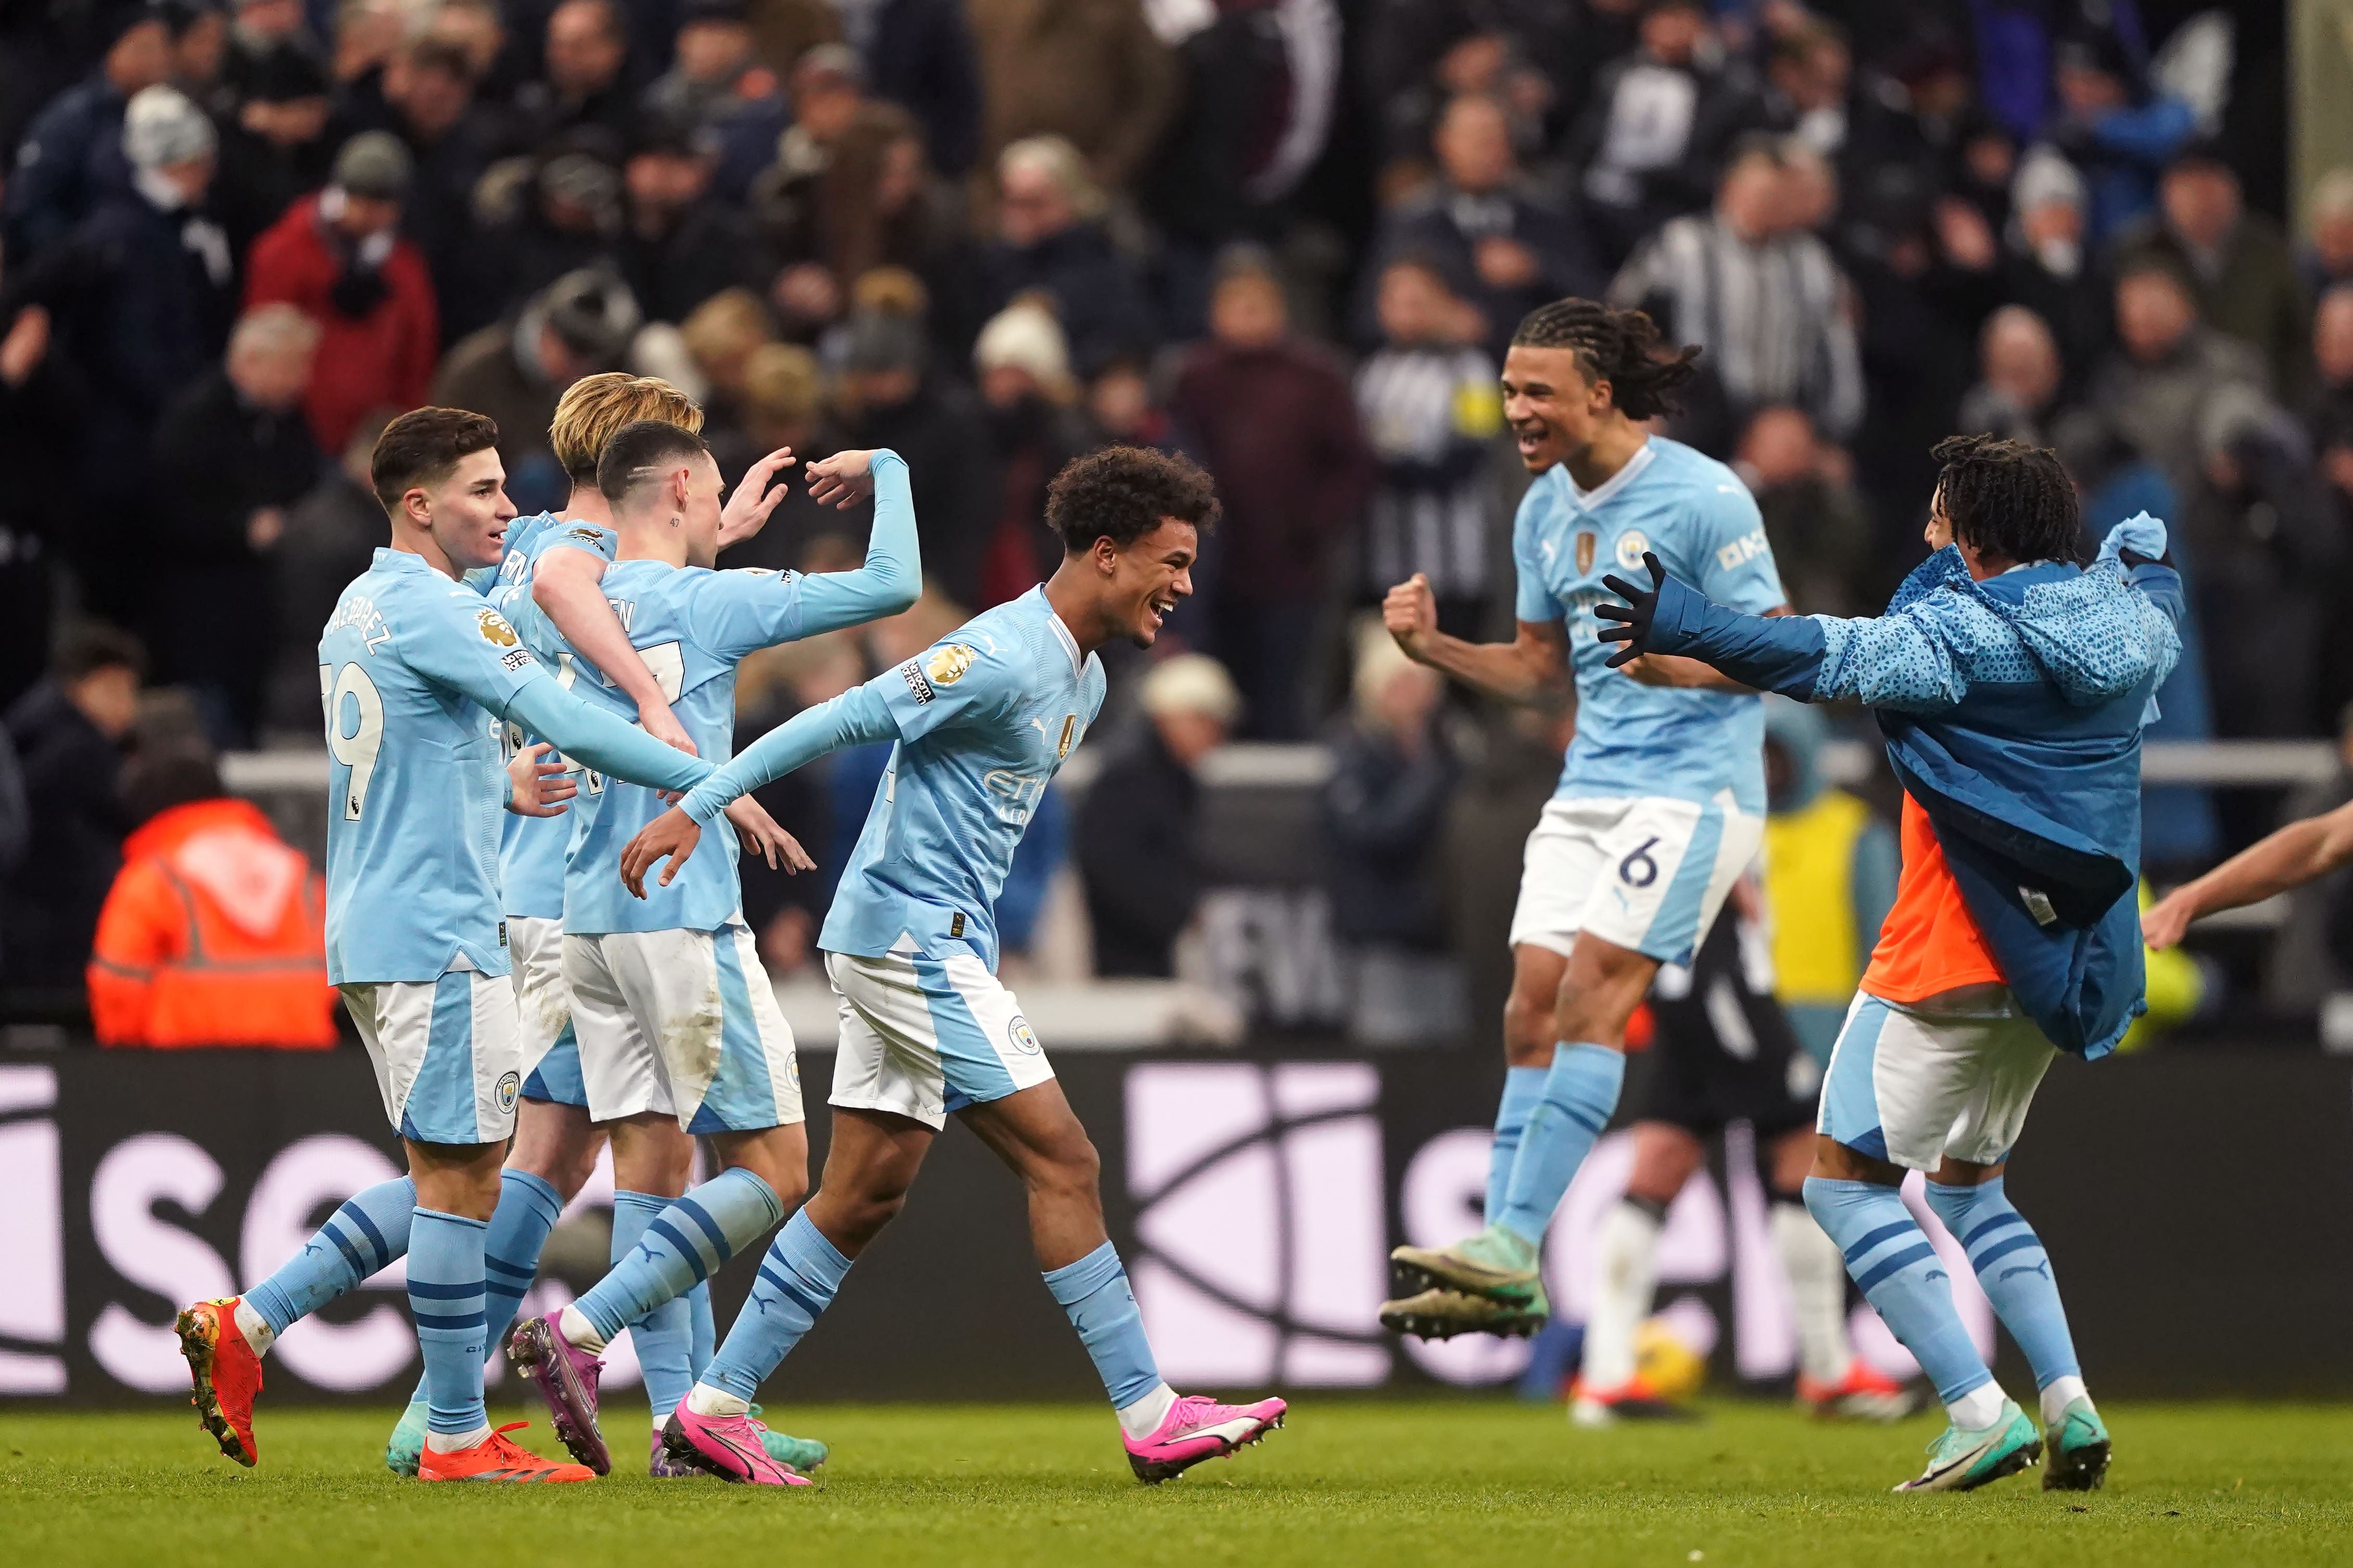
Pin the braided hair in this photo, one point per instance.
(1621, 347)
(2008, 501)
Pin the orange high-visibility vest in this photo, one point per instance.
(213, 934)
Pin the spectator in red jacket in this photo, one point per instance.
(339, 259)
(1273, 418)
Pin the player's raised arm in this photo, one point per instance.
(2288, 859)
(586, 734)
(892, 578)
(567, 584)
(1532, 665)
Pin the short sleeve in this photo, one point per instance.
(455, 640)
(1731, 558)
(734, 613)
(601, 543)
(1531, 600)
(949, 685)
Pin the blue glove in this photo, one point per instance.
(2141, 534)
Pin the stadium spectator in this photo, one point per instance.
(2118, 134)
(1026, 394)
(1659, 121)
(2326, 259)
(1767, 307)
(584, 77)
(2237, 264)
(71, 154)
(2332, 408)
(1050, 241)
(273, 138)
(2019, 377)
(1500, 251)
(2050, 269)
(889, 399)
(1091, 72)
(719, 336)
(2168, 363)
(514, 372)
(213, 931)
(1821, 535)
(681, 245)
(1808, 75)
(1383, 809)
(339, 259)
(1275, 423)
(782, 403)
(38, 396)
(717, 82)
(330, 537)
(1137, 831)
(67, 731)
(1431, 414)
(233, 453)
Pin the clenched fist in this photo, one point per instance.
(1410, 613)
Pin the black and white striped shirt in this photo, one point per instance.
(1430, 415)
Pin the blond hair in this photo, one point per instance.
(594, 408)
(730, 324)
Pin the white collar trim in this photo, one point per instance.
(1608, 488)
(1062, 633)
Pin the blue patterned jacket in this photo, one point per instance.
(2012, 709)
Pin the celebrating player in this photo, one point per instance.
(2296, 854)
(2012, 681)
(556, 561)
(679, 1033)
(418, 672)
(1660, 804)
(980, 724)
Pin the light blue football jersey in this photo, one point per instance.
(985, 719)
(691, 626)
(413, 669)
(533, 849)
(1696, 515)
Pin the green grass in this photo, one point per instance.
(1347, 1482)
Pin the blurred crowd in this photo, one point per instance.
(1291, 237)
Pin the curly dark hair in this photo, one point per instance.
(1122, 493)
(1621, 347)
(2010, 501)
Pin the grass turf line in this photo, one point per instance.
(1347, 1482)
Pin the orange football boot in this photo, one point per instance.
(227, 1374)
(1865, 1393)
(496, 1459)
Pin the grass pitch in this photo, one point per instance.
(1347, 1482)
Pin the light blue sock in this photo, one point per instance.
(527, 1211)
(664, 1337)
(1094, 1292)
(445, 1297)
(704, 1342)
(1581, 1091)
(2014, 1271)
(1523, 1087)
(681, 1247)
(1889, 1258)
(797, 1280)
(364, 1235)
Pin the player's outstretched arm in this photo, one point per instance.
(1532, 665)
(853, 718)
(2288, 859)
(568, 584)
(1889, 661)
(892, 578)
(588, 734)
(749, 508)
(537, 786)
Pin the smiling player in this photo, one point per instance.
(980, 723)
(1660, 804)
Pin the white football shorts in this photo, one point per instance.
(1912, 1088)
(1648, 873)
(551, 1056)
(683, 1023)
(923, 1037)
(448, 1054)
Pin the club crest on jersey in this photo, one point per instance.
(1069, 726)
(946, 666)
(1024, 1037)
(1587, 540)
(494, 628)
(1630, 546)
